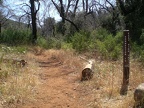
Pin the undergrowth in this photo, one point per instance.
(103, 91)
(12, 36)
(99, 40)
(16, 82)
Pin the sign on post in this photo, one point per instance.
(126, 63)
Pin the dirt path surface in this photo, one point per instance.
(59, 84)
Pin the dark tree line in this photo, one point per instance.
(133, 13)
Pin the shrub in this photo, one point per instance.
(99, 34)
(49, 43)
(81, 41)
(138, 52)
(42, 42)
(15, 37)
(101, 48)
(66, 46)
(110, 47)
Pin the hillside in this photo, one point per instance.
(9, 23)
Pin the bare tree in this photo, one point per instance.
(31, 14)
(49, 27)
(5, 14)
(65, 10)
(105, 8)
(33, 17)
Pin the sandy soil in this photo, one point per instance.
(59, 85)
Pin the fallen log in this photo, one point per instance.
(87, 72)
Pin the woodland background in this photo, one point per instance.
(85, 25)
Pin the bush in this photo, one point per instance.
(81, 41)
(66, 46)
(49, 43)
(110, 47)
(99, 34)
(42, 42)
(138, 52)
(15, 37)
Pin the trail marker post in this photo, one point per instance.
(126, 63)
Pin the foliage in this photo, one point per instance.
(99, 34)
(49, 43)
(13, 36)
(66, 46)
(133, 17)
(109, 46)
(138, 52)
(81, 41)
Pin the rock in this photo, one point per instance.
(139, 95)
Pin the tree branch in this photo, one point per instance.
(38, 7)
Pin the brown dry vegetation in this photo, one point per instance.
(17, 83)
(51, 79)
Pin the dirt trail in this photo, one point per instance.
(59, 86)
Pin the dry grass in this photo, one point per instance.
(68, 58)
(17, 84)
(103, 91)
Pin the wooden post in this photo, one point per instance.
(126, 64)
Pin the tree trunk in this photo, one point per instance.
(34, 25)
(62, 14)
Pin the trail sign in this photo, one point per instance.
(126, 63)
